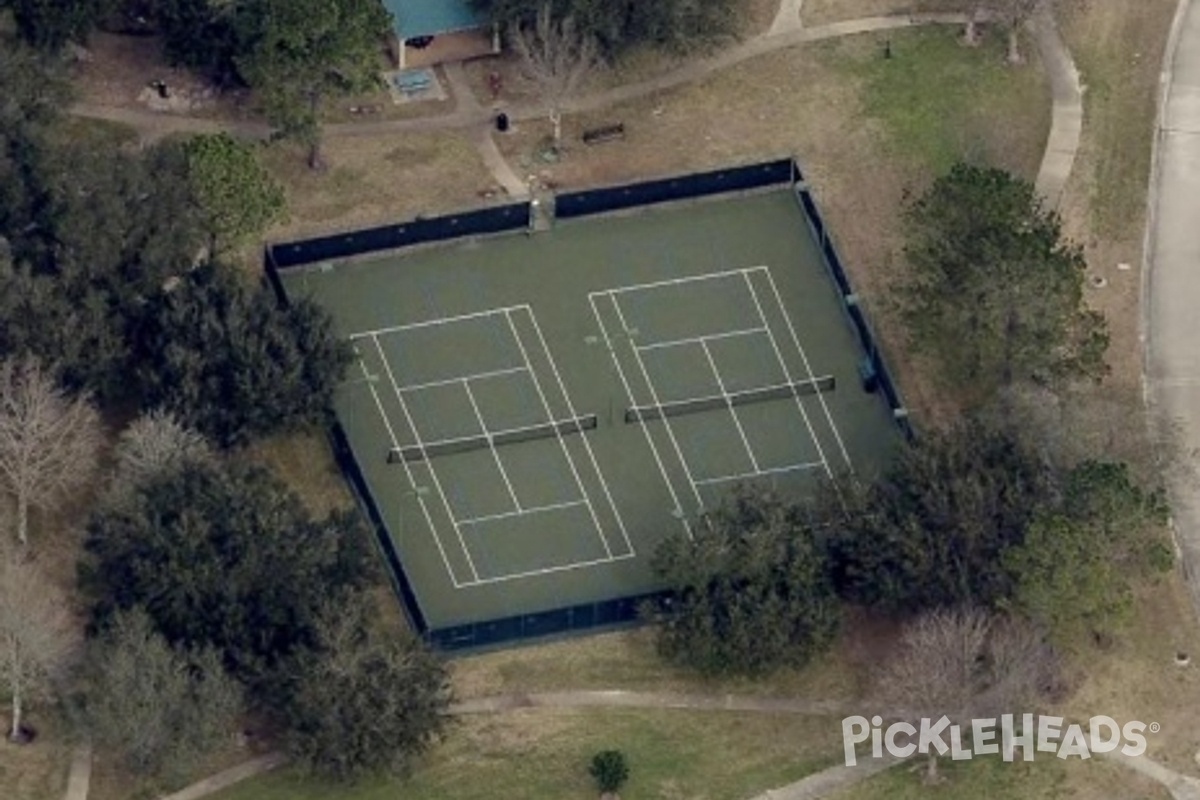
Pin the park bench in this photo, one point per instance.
(605, 133)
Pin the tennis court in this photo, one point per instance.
(533, 413)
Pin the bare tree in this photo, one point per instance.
(37, 635)
(556, 57)
(1013, 14)
(1020, 666)
(160, 708)
(975, 11)
(966, 661)
(48, 441)
(154, 444)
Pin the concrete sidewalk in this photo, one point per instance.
(1171, 294)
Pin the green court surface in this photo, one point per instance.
(533, 413)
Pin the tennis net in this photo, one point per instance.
(781, 391)
(481, 441)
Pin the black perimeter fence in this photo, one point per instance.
(606, 613)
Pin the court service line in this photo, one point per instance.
(428, 464)
(524, 511)
(533, 573)
(707, 276)
(466, 384)
(537, 385)
(658, 404)
(737, 422)
(587, 445)
(612, 353)
(796, 340)
(431, 322)
(493, 373)
(761, 472)
(412, 481)
(787, 372)
(701, 339)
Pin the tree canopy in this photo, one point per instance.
(363, 701)
(238, 198)
(160, 709)
(297, 53)
(750, 589)
(223, 556)
(619, 25)
(94, 233)
(995, 295)
(234, 363)
(48, 25)
(200, 34)
(1075, 567)
(930, 532)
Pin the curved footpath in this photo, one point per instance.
(1171, 280)
(787, 31)
(814, 786)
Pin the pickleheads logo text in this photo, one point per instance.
(1006, 736)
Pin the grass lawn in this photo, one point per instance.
(627, 660)
(376, 179)
(543, 755)
(937, 101)
(36, 771)
(990, 778)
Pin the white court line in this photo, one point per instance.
(728, 273)
(428, 464)
(537, 385)
(729, 404)
(796, 340)
(466, 384)
(701, 339)
(431, 322)
(770, 387)
(587, 445)
(430, 445)
(687, 470)
(633, 401)
(759, 473)
(787, 372)
(412, 482)
(492, 373)
(522, 512)
(534, 573)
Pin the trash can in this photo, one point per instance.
(502, 122)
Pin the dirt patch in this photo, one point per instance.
(823, 12)
(118, 71)
(375, 179)
(305, 463)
